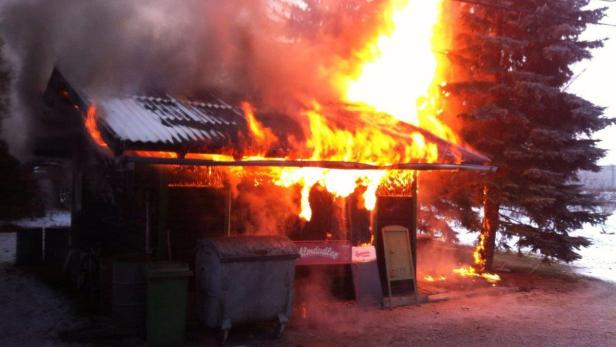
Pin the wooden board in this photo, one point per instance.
(397, 253)
(399, 263)
(398, 258)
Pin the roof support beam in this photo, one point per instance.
(324, 164)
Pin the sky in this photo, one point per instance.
(597, 77)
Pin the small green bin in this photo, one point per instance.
(166, 303)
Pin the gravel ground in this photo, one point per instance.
(543, 308)
(543, 312)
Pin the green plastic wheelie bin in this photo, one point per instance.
(167, 285)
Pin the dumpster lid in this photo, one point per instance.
(168, 269)
(234, 247)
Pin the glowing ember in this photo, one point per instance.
(469, 271)
(156, 154)
(430, 278)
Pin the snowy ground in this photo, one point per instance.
(7, 248)
(53, 219)
(598, 260)
(31, 313)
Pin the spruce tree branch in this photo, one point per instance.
(519, 10)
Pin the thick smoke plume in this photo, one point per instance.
(272, 50)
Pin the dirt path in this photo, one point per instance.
(541, 308)
(542, 312)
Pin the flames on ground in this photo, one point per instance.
(477, 270)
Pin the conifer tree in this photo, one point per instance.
(511, 62)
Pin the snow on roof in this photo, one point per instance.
(53, 219)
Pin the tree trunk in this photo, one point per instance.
(488, 231)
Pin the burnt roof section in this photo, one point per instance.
(211, 125)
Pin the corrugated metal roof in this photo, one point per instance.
(132, 123)
(211, 125)
(170, 124)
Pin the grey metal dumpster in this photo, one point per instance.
(245, 279)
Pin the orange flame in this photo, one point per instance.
(90, 124)
(401, 70)
(399, 65)
(480, 264)
(264, 138)
(469, 271)
(397, 73)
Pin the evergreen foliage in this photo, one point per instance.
(510, 69)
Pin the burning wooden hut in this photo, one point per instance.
(154, 174)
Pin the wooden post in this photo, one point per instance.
(228, 212)
(349, 217)
(148, 227)
(162, 213)
(415, 202)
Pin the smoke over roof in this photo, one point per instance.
(262, 48)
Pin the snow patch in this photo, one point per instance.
(53, 219)
(8, 247)
(598, 260)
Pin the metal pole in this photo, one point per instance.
(163, 234)
(325, 164)
(414, 214)
(228, 219)
(148, 250)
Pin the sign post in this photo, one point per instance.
(399, 264)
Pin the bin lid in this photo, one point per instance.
(249, 247)
(168, 269)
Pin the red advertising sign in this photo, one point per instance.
(324, 252)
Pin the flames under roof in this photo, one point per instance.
(210, 125)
